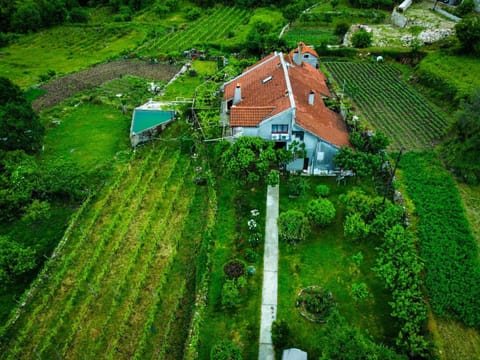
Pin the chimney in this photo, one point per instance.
(311, 97)
(237, 95)
(300, 48)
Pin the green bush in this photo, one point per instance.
(281, 336)
(355, 227)
(361, 39)
(296, 185)
(230, 294)
(225, 350)
(322, 190)
(321, 211)
(293, 226)
(341, 28)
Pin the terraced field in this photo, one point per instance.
(123, 284)
(209, 28)
(389, 104)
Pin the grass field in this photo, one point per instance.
(389, 104)
(89, 134)
(325, 259)
(123, 279)
(65, 49)
(450, 77)
(310, 36)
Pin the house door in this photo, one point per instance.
(305, 164)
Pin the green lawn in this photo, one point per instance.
(324, 259)
(89, 134)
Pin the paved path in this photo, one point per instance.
(270, 275)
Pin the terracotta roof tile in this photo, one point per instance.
(304, 49)
(249, 115)
(316, 118)
(263, 86)
(264, 94)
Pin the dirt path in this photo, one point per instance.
(67, 86)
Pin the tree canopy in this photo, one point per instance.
(461, 149)
(20, 127)
(468, 33)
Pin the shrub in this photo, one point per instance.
(79, 15)
(193, 14)
(321, 212)
(225, 350)
(296, 185)
(322, 190)
(361, 39)
(293, 226)
(280, 335)
(359, 291)
(341, 28)
(230, 294)
(250, 255)
(355, 228)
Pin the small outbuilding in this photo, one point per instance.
(148, 121)
(294, 354)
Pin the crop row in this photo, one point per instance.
(166, 235)
(113, 270)
(390, 104)
(122, 276)
(207, 28)
(53, 288)
(447, 246)
(82, 278)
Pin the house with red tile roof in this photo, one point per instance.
(282, 100)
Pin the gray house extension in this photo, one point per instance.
(148, 121)
(281, 98)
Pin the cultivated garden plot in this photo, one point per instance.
(389, 104)
(211, 28)
(106, 294)
(64, 87)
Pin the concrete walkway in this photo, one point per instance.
(270, 275)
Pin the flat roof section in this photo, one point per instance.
(147, 119)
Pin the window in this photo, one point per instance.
(306, 56)
(298, 135)
(279, 129)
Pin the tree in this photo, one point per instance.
(341, 28)
(225, 350)
(293, 226)
(15, 260)
(20, 127)
(26, 18)
(468, 33)
(462, 147)
(249, 159)
(321, 211)
(361, 39)
(465, 8)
